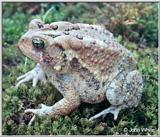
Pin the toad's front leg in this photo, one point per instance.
(63, 107)
(35, 75)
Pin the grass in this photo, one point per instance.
(144, 118)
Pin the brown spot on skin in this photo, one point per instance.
(74, 62)
(67, 29)
(53, 36)
(93, 42)
(71, 28)
(66, 33)
(40, 25)
(109, 70)
(76, 27)
(79, 37)
(91, 27)
(59, 46)
(76, 46)
(54, 27)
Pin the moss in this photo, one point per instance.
(140, 38)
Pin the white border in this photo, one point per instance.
(1, 70)
(134, 1)
(158, 68)
(157, 1)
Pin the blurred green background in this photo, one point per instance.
(133, 24)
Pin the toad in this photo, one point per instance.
(84, 63)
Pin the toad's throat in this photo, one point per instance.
(45, 58)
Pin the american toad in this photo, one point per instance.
(85, 63)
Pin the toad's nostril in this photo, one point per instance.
(22, 40)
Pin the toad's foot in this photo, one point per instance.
(36, 74)
(43, 111)
(113, 109)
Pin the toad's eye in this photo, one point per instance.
(38, 43)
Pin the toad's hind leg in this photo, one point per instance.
(122, 93)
